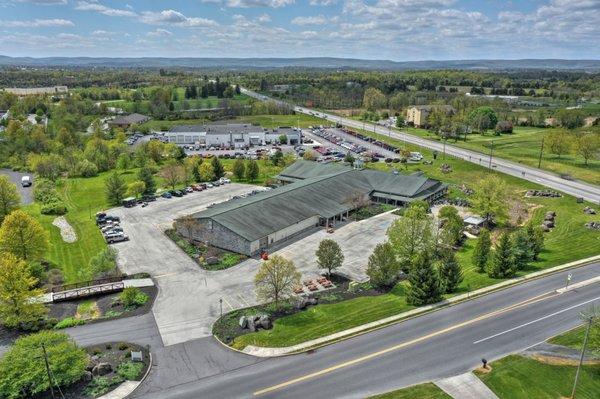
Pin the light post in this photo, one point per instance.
(221, 305)
(569, 276)
(491, 153)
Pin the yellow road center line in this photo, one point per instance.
(403, 345)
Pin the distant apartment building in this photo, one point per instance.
(32, 91)
(417, 114)
(235, 135)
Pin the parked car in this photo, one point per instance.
(149, 198)
(176, 193)
(26, 181)
(129, 202)
(111, 227)
(189, 189)
(115, 231)
(224, 180)
(166, 194)
(117, 238)
(106, 219)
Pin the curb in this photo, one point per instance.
(111, 395)
(378, 324)
(145, 375)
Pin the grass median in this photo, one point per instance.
(422, 391)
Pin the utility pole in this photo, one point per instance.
(444, 148)
(585, 341)
(48, 371)
(491, 153)
(541, 152)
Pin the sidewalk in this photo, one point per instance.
(465, 386)
(273, 352)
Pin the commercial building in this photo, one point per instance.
(37, 90)
(417, 114)
(125, 121)
(231, 135)
(312, 194)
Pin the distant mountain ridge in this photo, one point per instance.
(309, 62)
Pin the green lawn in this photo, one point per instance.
(518, 377)
(83, 197)
(322, 320)
(524, 146)
(422, 391)
(198, 103)
(574, 338)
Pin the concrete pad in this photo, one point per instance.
(465, 386)
(122, 391)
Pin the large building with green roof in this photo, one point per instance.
(312, 194)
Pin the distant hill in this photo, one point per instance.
(315, 62)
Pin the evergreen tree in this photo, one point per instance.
(424, 282)
(218, 169)
(115, 189)
(503, 260)
(145, 175)
(481, 253)
(535, 237)
(252, 170)
(450, 272)
(196, 170)
(522, 251)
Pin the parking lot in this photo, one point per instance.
(189, 297)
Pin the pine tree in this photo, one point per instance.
(145, 175)
(522, 251)
(218, 169)
(424, 282)
(503, 261)
(115, 189)
(535, 237)
(450, 272)
(481, 253)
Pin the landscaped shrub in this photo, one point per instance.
(104, 263)
(229, 260)
(68, 322)
(56, 277)
(22, 369)
(101, 385)
(130, 370)
(56, 207)
(86, 168)
(133, 297)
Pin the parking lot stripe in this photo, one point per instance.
(227, 303)
(244, 301)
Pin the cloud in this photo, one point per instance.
(45, 2)
(160, 33)
(264, 18)
(172, 17)
(102, 9)
(322, 2)
(252, 3)
(38, 23)
(312, 20)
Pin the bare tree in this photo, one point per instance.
(276, 279)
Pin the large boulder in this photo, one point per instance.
(243, 322)
(87, 376)
(265, 322)
(101, 369)
(548, 223)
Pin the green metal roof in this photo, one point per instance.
(319, 190)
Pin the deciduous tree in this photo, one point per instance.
(17, 288)
(206, 172)
(23, 236)
(588, 145)
(239, 169)
(383, 267)
(136, 188)
(9, 197)
(252, 170)
(490, 198)
(411, 234)
(275, 279)
(172, 173)
(329, 255)
(218, 169)
(557, 141)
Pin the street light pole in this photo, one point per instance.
(541, 152)
(491, 153)
(221, 305)
(585, 341)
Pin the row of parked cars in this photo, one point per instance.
(133, 138)
(340, 141)
(195, 187)
(110, 228)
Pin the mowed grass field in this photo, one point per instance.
(519, 377)
(569, 240)
(523, 146)
(422, 391)
(196, 103)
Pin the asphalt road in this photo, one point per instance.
(440, 344)
(15, 177)
(575, 188)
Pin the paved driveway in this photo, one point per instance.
(188, 296)
(15, 177)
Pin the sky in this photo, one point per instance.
(399, 30)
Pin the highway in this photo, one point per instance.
(447, 342)
(575, 188)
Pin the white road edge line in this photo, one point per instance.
(536, 320)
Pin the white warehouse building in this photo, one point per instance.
(231, 135)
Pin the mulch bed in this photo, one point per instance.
(112, 353)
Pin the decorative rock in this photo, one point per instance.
(243, 322)
(549, 223)
(212, 260)
(265, 322)
(101, 369)
(304, 302)
(545, 228)
(137, 356)
(593, 225)
(543, 193)
(589, 210)
(87, 376)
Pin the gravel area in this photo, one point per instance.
(66, 230)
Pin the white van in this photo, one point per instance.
(26, 181)
(416, 156)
